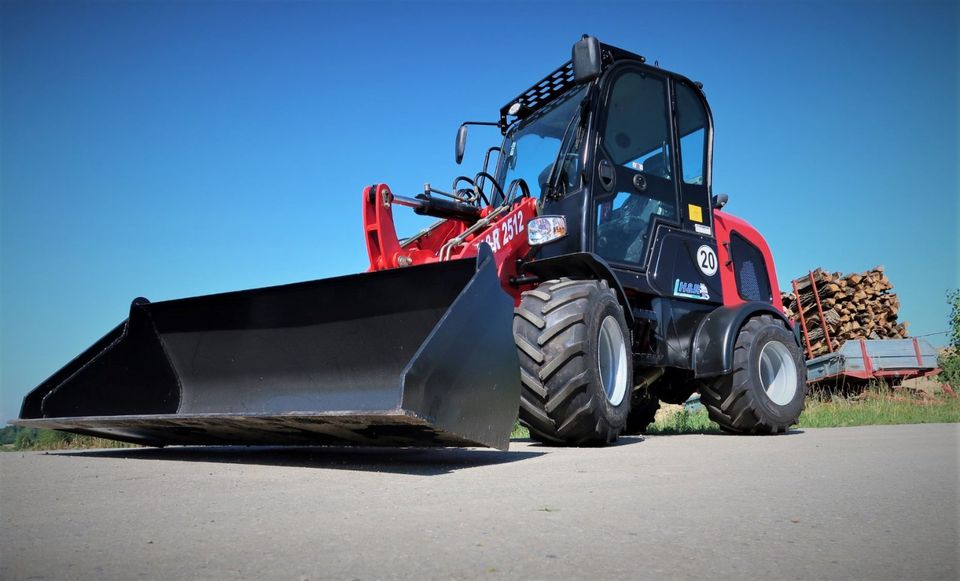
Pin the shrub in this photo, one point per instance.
(949, 359)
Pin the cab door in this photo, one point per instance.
(634, 186)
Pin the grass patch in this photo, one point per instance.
(873, 408)
(519, 432)
(36, 439)
(876, 406)
(684, 422)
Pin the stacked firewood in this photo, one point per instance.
(855, 306)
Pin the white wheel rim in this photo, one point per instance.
(612, 357)
(778, 373)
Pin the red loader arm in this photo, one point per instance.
(503, 228)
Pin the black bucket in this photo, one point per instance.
(421, 356)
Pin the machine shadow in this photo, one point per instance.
(621, 441)
(719, 432)
(413, 461)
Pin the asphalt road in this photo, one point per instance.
(868, 503)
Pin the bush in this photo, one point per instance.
(8, 435)
(949, 359)
(34, 439)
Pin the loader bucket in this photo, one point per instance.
(422, 356)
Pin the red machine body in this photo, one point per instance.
(725, 225)
(505, 233)
(502, 228)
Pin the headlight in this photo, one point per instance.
(546, 229)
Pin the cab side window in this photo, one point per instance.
(693, 130)
(692, 127)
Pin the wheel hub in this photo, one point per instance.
(778, 373)
(612, 358)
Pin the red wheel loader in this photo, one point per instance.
(584, 274)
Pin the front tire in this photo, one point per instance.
(764, 394)
(575, 363)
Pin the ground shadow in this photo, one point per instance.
(415, 461)
(621, 441)
(719, 432)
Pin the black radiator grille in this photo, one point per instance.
(753, 282)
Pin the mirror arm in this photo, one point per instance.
(461, 142)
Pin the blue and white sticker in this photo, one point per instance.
(707, 260)
(691, 290)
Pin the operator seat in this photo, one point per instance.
(656, 165)
(624, 235)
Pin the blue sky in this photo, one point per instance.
(170, 150)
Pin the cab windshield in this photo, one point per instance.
(532, 146)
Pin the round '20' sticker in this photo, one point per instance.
(707, 260)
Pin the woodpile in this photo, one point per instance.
(854, 306)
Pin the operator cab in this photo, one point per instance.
(624, 156)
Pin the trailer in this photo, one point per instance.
(890, 360)
(861, 360)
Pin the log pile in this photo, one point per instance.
(855, 306)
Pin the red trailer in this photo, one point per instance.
(891, 360)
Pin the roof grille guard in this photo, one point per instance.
(540, 94)
(553, 86)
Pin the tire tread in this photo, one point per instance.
(732, 401)
(558, 403)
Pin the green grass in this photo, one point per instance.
(684, 422)
(16, 438)
(873, 407)
(879, 409)
(519, 432)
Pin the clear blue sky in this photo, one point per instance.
(170, 150)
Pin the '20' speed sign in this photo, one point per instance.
(707, 260)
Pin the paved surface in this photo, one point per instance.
(869, 503)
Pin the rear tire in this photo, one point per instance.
(764, 394)
(575, 363)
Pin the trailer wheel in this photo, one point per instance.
(643, 410)
(575, 362)
(764, 393)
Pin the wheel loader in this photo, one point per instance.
(585, 273)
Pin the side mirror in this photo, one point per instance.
(587, 63)
(461, 145)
